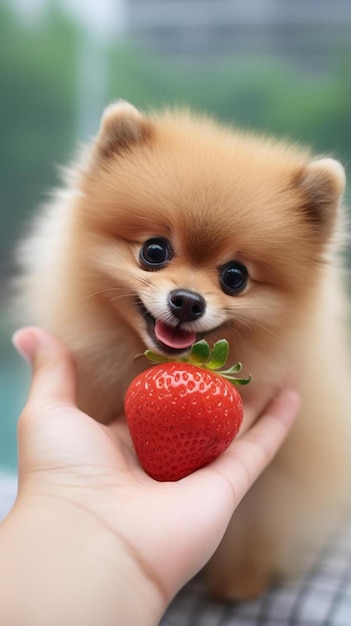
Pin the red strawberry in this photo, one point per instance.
(181, 416)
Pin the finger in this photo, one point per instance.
(53, 371)
(243, 462)
(247, 457)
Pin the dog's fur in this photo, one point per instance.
(217, 195)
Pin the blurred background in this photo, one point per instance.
(278, 66)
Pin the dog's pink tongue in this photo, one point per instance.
(174, 337)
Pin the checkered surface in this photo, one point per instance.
(322, 597)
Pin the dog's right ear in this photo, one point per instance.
(122, 127)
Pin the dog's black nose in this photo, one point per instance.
(186, 306)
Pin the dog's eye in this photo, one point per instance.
(233, 277)
(155, 253)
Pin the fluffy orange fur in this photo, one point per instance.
(216, 195)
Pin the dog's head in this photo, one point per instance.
(189, 227)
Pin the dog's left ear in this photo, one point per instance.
(322, 183)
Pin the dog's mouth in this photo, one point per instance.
(171, 339)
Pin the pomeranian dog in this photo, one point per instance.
(172, 228)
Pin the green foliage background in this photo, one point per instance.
(38, 76)
(38, 108)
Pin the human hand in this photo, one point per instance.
(88, 476)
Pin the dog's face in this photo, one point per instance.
(187, 228)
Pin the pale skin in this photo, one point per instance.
(91, 538)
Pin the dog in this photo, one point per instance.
(172, 227)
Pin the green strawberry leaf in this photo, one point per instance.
(229, 375)
(155, 358)
(237, 381)
(218, 355)
(200, 352)
(234, 368)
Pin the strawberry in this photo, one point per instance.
(182, 414)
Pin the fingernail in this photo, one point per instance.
(25, 342)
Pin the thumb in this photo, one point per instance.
(53, 370)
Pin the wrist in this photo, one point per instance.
(66, 567)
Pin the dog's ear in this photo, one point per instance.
(322, 183)
(122, 127)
